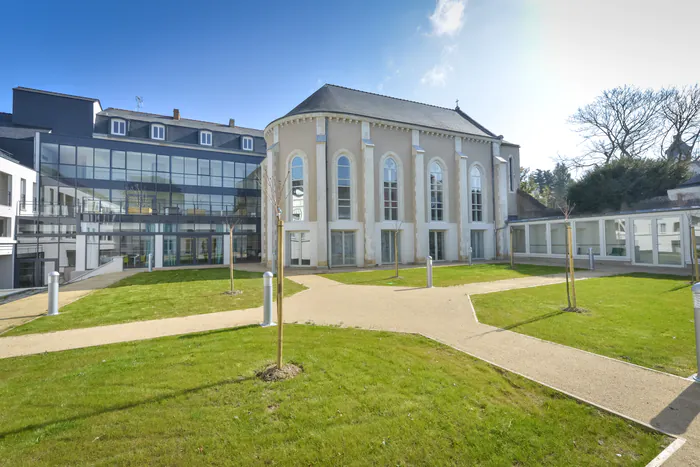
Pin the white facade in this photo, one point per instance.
(653, 238)
(17, 194)
(349, 183)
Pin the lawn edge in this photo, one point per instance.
(469, 300)
(678, 441)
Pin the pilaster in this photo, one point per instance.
(269, 181)
(462, 200)
(321, 198)
(501, 191)
(368, 195)
(421, 241)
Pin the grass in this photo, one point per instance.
(444, 276)
(155, 295)
(365, 398)
(640, 318)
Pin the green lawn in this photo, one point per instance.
(640, 318)
(365, 398)
(159, 294)
(444, 276)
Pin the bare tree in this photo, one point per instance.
(680, 111)
(566, 209)
(623, 122)
(232, 220)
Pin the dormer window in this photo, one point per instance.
(118, 127)
(205, 138)
(247, 143)
(158, 131)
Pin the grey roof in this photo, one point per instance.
(58, 94)
(183, 122)
(338, 99)
(693, 181)
(7, 155)
(13, 131)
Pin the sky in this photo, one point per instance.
(519, 67)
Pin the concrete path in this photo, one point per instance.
(26, 309)
(667, 402)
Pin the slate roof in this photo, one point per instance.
(7, 155)
(12, 131)
(339, 99)
(58, 94)
(183, 122)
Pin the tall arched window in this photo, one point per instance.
(391, 190)
(511, 178)
(477, 201)
(297, 177)
(343, 188)
(436, 192)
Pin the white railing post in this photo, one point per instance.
(53, 293)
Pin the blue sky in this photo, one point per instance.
(520, 67)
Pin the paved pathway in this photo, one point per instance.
(26, 309)
(668, 402)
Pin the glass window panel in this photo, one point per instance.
(178, 164)
(133, 175)
(203, 180)
(148, 177)
(203, 167)
(240, 170)
(177, 179)
(133, 160)
(163, 177)
(558, 234)
(163, 163)
(229, 182)
(190, 165)
(117, 174)
(85, 172)
(49, 153)
(519, 239)
(190, 180)
(67, 171)
(615, 237)
(668, 240)
(643, 248)
(49, 169)
(67, 154)
(538, 238)
(148, 162)
(229, 169)
(118, 159)
(216, 168)
(587, 236)
(85, 156)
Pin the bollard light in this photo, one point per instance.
(591, 260)
(696, 306)
(429, 271)
(470, 256)
(53, 293)
(267, 300)
(150, 262)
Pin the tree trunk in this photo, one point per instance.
(396, 252)
(230, 257)
(566, 268)
(280, 288)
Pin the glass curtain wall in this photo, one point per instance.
(538, 238)
(558, 235)
(668, 240)
(643, 248)
(519, 239)
(615, 237)
(587, 236)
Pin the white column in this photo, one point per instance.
(158, 252)
(80, 244)
(269, 214)
(462, 201)
(548, 232)
(501, 191)
(601, 236)
(321, 206)
(368, 195)
(421, 241)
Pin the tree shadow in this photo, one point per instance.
(680, 413)
(130, 405)
(214, 332)
(184, 275)
(522, 323)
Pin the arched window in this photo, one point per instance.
(297, 177)
(391, 190)
(436, 192)
(511, 179)
(477, 201)
(343, 188)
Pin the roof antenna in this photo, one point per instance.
(457, 104)
(139, 103)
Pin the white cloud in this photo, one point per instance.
(448, 17)
(436, 76)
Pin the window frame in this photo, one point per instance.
(442, 191)
(244, 146)
(337, 179)
(111, 126)
(304, 186)
(399, 184)
(202, 140)
(157, 126)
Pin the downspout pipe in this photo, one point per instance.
(328, 204)
(493, 197)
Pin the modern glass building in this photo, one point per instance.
(117, 183)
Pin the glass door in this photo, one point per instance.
(240, 247)
(217, 249)
(298, 247)
(342, 248)
(169, 251)
(202, 250)
(391, 243)
(436, 240)
(477, 243)
(187, 255)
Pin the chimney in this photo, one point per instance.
(231, 122)
(176, 114)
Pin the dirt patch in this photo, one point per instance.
(235, 292)
(272, 373)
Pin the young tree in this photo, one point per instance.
(566, 209)
(397, 231)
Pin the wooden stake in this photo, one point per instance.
(571, 265)
(230, 256)
(512, 263)
(396, 251)
(280, 287)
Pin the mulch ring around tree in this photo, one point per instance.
(272, 373)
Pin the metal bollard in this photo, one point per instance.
(696, 305)
(267, 300)
(150, 262)
(429, 269)
(470, 256)
(591, 260)
(53, 293)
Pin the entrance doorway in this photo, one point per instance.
(436, 244)
(194, 250)
(477, 243)
(343, 248)
(298, 245)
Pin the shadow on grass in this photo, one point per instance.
(184, 275)
(217, 331)
(680, 413)
(522, 323)
(130, 405)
